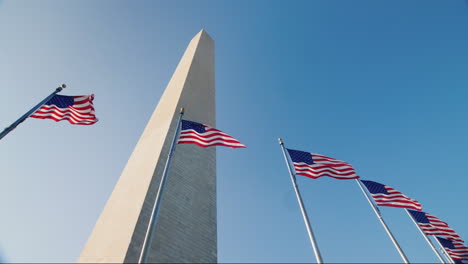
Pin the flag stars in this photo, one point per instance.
(300, 156)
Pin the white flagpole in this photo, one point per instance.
(427, 238)
(318, 257)
(377, 212)
(445, 251)
(156, 206)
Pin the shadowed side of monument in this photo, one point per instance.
(186, 226)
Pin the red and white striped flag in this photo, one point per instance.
(387, 196)
(77, 110)
(432, 225)
(456, 250)
(205, 136)
(315, 166)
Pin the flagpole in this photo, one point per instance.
(156, 206)
(30, 112)
(318, 257)
(445, 251)
(377, 212)
(427, 238)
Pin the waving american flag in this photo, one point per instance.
(205, 136)
(78, 110)
(432, 225)
(315, 166)
(456, 250)
(387, 196)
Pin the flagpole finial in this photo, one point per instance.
(60, 88)
(182, 110)
(280, 141)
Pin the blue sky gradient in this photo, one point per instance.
(379, 84)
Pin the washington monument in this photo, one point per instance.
(186, 225)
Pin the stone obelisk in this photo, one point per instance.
(186, 225)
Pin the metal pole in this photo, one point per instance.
(427, 238)
(156, 206)
(30, 112)
(445, 251)
(318, 257)
(377, 212)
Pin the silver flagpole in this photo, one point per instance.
(318, 257)
(427, 238)
(445, 251)
(154, 213)
(377, 212)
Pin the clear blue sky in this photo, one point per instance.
(380, 84)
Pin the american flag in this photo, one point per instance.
(455, 249)
(387, 196)
(77, 110)
(315, 166)
(432, 225)
(205, 136)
